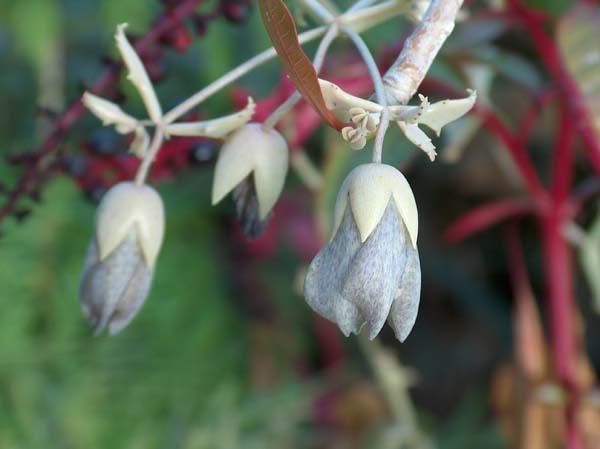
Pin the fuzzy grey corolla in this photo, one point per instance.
(119, 265)
(370, 271)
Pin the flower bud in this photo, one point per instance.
(370, 270)
(252, 154)
(119, 265)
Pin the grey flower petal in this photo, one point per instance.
(112, 290)
(247, 208)
(373, 276)
(326, 273)
(406, 304)
(347, 316)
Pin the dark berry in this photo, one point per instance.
(105, 141)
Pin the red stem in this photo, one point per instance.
(562, 177)
(551, 57)
(531, 116)
(559, 287)
(484, 216)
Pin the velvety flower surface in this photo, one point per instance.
(113, 290)
(355, 282)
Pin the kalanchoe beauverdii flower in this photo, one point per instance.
(119, 265)
(253, 164)
(369, 272)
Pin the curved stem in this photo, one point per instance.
(369, 61)
(144, 168)
(286, 106)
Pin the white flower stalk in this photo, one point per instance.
(215, 128)
(120, 261)
(255, 156)
(112, 114)
(369, 272)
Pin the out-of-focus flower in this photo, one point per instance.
(369, 272)
(119, 264)
(253, 163)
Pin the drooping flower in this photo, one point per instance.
(253, 164)
(369, 272)
(119, 264)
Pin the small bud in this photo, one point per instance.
(252, 151)
(370, 271)
(119, 265)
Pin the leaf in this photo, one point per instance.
(580, 48)
(282, 31)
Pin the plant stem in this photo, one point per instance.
(552, 59)
(369, 61)
(155, 145)
(559, 288)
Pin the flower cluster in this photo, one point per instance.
(368, 273)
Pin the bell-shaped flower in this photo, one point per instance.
(253, 163)
(369, 272)
(119, 264)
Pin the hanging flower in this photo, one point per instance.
(253, 164)
(369, 272)
(119, 265)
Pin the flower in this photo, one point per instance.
(252, 163)
(119, 264)
(370, 270)
(112, 114)
(365, 115)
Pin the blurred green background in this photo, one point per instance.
(197, 368)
